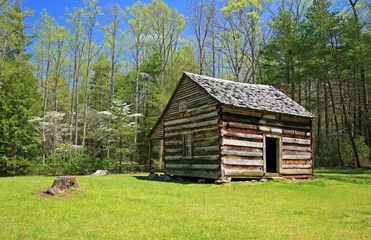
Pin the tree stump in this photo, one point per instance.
(61, 184)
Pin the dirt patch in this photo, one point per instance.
(297, 180)
(65, 195)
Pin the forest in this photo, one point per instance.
(82, 94)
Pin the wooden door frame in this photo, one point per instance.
(278, 152)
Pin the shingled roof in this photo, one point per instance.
(253, 96)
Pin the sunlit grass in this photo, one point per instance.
(335, 206)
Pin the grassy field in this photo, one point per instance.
(335, 206)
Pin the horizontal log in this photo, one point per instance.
(276, 130)
(206, 149)
(207, 157)
(241, 153)
(245, 173)
(241, 135)
(242, 125)
(192, 125)
(242, 111)
(296, 140)
(198, 110)
(193, 109)
(190, 119)
(211, 174)
(270, 116)
(265, 122)
(242, 162)
(242, 148)
(297, 157)
(173, 150)
(171, 134)
(173, 158)
(206, 139)
(287, 131)
(296, 166)
(192, 166)
(242, 143)
(300, 133)
(295, 148)
(295, 171)
(295, 119)
(296, 162)
(264, 128)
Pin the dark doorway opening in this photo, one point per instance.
(271, 154)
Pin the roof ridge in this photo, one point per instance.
(226, 80)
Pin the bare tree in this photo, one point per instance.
(113, 40)
(201, 19)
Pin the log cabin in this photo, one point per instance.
(217, 129)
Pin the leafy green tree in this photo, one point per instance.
(19, 99)
(100, 84)
(117, 128)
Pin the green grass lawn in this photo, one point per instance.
(335, 206)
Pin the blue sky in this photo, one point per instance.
(56, 8)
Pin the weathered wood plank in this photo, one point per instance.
(264, 128)
(173, 150)
(242, 162)
(276, 130)
(295, 148)
(242, 111)
(172, 158)
(288, 131)
(265, 122)
(192, 166)
(242, 143)
(296, 141)
(211, 174)
(206, 149)
(296, 166)
(198, 110)
(171, 134)
(206, 139)
(241, 135)
(296, 162)
(189, 119)
(296, 157)
(192, 125)
(242, 125)
(246, 173)
(295, 119)
(207, 157)
(269, 116)
(296, 171)
(241, 153)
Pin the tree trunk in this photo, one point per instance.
(341, 161)
(319, 119)
(348, 127)
(46, 91)
(327, 117)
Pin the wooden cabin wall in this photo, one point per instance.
(242, 149)
(197, 98)
(202, 121)
(242, 146)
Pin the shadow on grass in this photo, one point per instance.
(355, 176)
(185, 180)
(345, 170)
